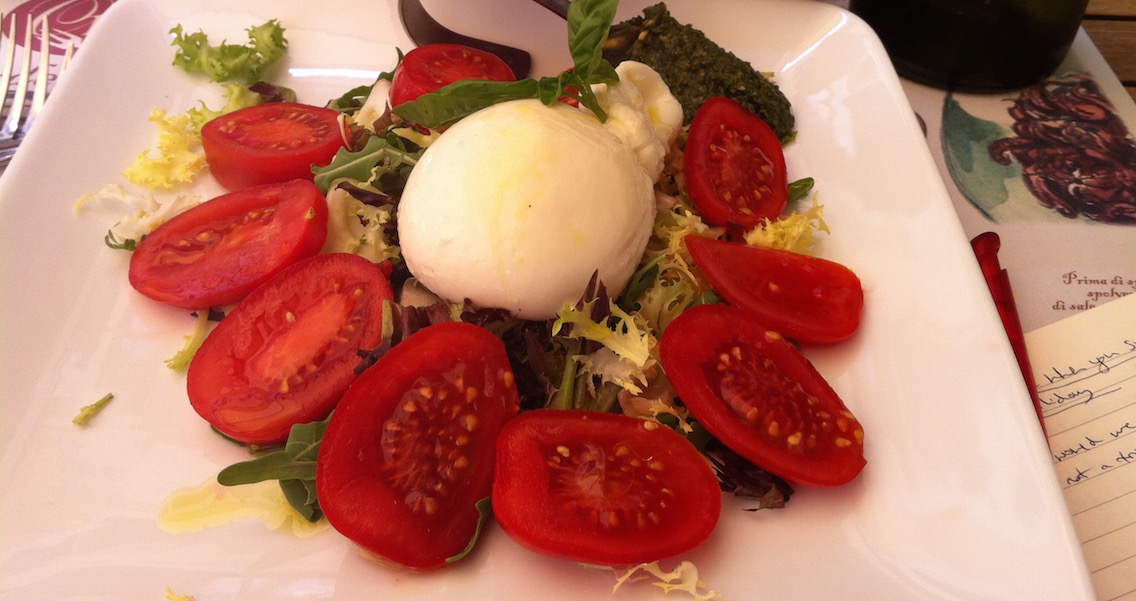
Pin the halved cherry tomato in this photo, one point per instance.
(288, 351)
(272, 142)
(219, 251)
(760, 396)
(808, 299)
(735, 168)
(602, 488)
(409, 451)
(427, 68)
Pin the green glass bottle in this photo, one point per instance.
(974, 45)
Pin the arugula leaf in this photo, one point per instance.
(231, 62)
(294, 466)
(111, 240)
(382, 155)
(589, 22)
(800, 188)
(485, 509)
(351, 100)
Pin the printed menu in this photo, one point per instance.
(1045, 167)
(1085, 371)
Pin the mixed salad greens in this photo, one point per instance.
(601, 354)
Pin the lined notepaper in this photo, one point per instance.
(1085, 370)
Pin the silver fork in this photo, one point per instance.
(19, 114)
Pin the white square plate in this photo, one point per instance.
(958, 501)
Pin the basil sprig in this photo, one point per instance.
(589, 22)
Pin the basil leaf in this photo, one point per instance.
(449, 104)
(589, 22)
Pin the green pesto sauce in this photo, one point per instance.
(696, 68)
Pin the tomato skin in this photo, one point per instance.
(808, 299)
(410, 449)
(219, 251)
(750, 388)
(670, 505)
(735, 167)
(272, 142)
(427, 68)
(288, 351)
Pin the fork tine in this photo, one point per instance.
(39, 92)
(12, 122)
(9, 59)
(13, 129)
(67, 54)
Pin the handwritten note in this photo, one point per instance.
(1085, 371)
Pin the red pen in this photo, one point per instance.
(986, 247)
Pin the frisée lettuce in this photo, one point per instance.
(231, 62)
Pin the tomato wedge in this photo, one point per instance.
(761, 397)
(219, 251)
(409, 451)
(427, 68)
(289, 350)
(808, 299)
(272, 142)
(735, 168)
(602, 488)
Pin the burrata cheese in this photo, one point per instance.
(517, 205)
